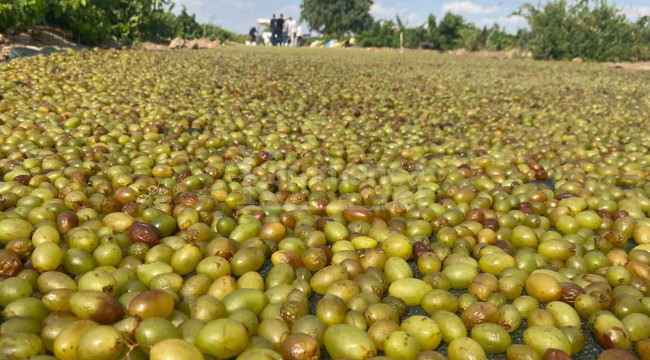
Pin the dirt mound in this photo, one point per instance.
(642, 66)
(179, 43)
(44, 39)
(151, 46)
(38, 38)
(202, 44)
(511, 54)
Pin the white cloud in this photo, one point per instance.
(413, 17)
(381, 12)
(291, 10)
(240, 4)
(190, 2)
(468, 8)
(504, 20)
(635, 12)
(510, 23)
(215, 11)
(237, 4)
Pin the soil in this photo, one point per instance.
(501, 55)
(152, 46)
(41, 37)
(639, 66)
(38, 38)
(643, 66)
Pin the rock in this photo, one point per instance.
(177, 43)
(2, 39)
(214, 44)
(202, 43)
(45, 36)
(53, 30)
(111, 43)
(17, 52)
(49, 50)
(23, 39)
(192, 44)
(150, 46)
(196, 44)
(576, 60)
(80, 47)
(459, 52)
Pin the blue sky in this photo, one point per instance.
(240, 15)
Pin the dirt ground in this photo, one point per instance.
(43, 36)
(47, 37)
(36, 39)
(501, 55)
(642, 66)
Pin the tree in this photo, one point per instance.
(641, 50)
(498, 39)
(450, 31)
(549, 30)
(187, 26)
(21, 13)
(88, 20)
(599, 31)
(382, 33)
(415, 37)
(591, 29)
(431, 32)
(337, 17)
(92, 22)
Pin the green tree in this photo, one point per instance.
(94, 21)
(21, 13)
(549, 36)
(591, 29)
(470, 39)
(187, 26)
(641, 48)
(449, 32)
(88, 20)
(431, 29)
(415, 37)
(382, 33)
(144, 19)
(337, 17)
(599, 31)
(498, 40)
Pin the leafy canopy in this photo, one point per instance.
(94, 21)
(337, 17)
(591, 29)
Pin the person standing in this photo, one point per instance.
(286, 31)
(252, 34)
(274, 27)
(290, 25)
(299, 34)
(293, 33)
(279, 28)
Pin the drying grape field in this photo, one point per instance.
(306, 204)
